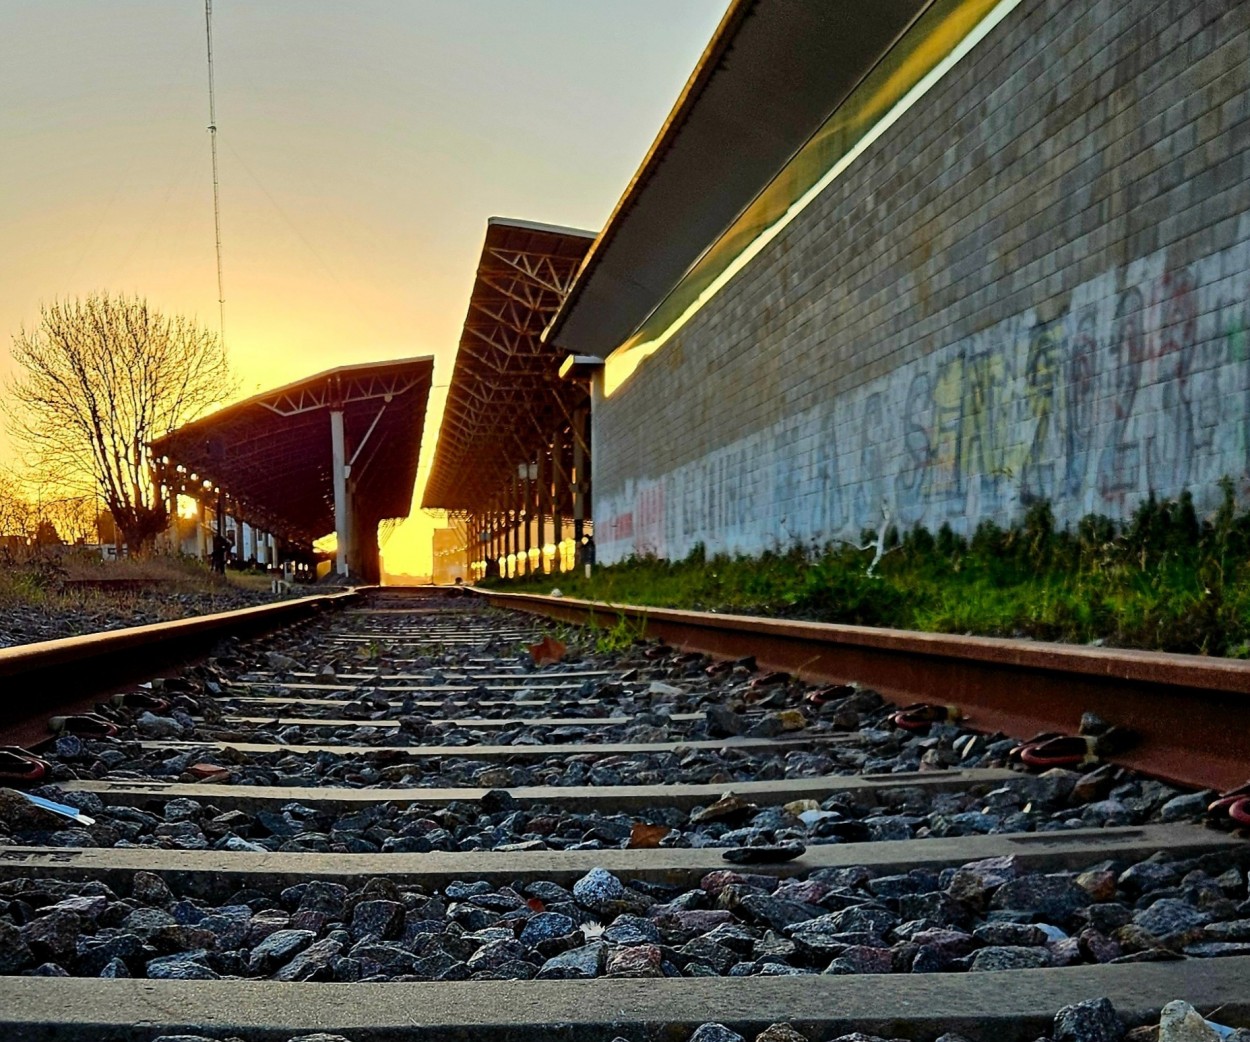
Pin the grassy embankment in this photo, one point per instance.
(47, 581)
(1165, 580)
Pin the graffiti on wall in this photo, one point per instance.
(1141, 384)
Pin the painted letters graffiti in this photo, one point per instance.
(1142, 384)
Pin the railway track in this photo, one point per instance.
(386, 822)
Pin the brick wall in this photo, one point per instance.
(1035, 285)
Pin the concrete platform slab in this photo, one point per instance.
(503, 752)
(1007, 1006)
(606, 798)
(217, 874)
(482, 723)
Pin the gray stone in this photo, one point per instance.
(18, 813)
(151, 726)
(497, 954)
(319, 1036)
(631, 929)
(708, 952)
(1180, 1022)
(976, 882)
(379, 918)
(860, 958)
(146, 921)
(53, 935)
(276, 949)
(1231, 930)
(385, 960)
(1093, 1020)
(1171, 922)
(1146, 876)
(313, 963)
(953, 944)
(88, 909)
(781, 1033)
(182, 966)
(184, 1038)
(280, 663)
(580, 963)
(1187, 805)
(715, 1033)
(598, 891)
(150, 889)
(545, 926)
(183, 835)
(1053, 898)
(776, 912)
(321, 896)
(1009, 958)
(1019, 935)
(639, 960)
(265, 923)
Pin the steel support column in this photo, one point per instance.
(342, 505)
(527, 495)
(557, 498)
(514, 521)
(579, 483)
(496, 527)
(544, 504)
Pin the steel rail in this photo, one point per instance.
(1191, 712)
(65, 673)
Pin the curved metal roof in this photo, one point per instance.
(506, 397)
(272, 453)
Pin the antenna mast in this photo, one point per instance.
(212, 137)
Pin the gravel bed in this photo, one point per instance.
(648, 683)
(986, 915)
(498, 822)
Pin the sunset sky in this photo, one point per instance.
(362, 147)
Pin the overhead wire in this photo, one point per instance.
(212, 137)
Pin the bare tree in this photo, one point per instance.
(73, 517)
(16, 512)
(101, 378)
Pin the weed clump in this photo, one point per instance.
(1162, 579)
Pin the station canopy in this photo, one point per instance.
(273, 453)
(764, 93)
(506, 397)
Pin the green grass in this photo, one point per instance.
(1163, 579)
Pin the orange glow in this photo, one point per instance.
(410, 549)
(353, 199)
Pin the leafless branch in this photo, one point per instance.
(100, 378)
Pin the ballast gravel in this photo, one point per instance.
(986, 915)
(648, 684)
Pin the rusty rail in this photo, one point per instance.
(1192, 712)
(70, 673)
